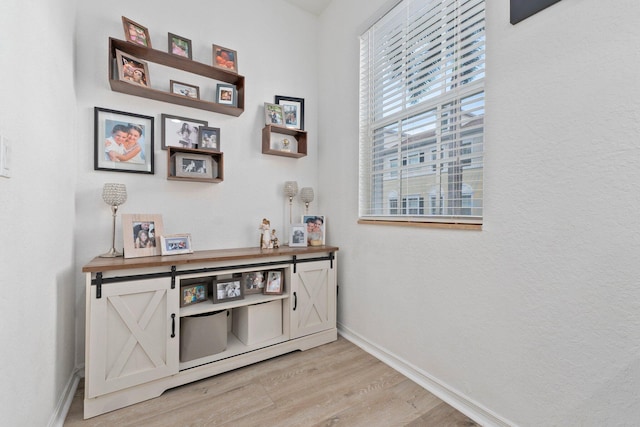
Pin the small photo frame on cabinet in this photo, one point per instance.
(224, 58)
(175, 244)
(275, 282)
(209, 138)
(226, 94)
(228, 290)
(141, 234)
(253, 282)
(293, 111)
(316, 229)
(193, 291)
(184, 89)
(132, 70)
(179, 46)
(136, 33)
(298, 235)
(273, 114)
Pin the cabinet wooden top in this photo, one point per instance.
(110, 264)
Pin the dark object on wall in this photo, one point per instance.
(522, 9)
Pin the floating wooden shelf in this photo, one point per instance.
(217, 159)
(299, 135)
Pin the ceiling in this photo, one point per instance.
(314, 6)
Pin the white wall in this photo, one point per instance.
(37, 270)
(535, 319)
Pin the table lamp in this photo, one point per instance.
(114, 195)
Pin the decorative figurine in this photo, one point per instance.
(265, 235)
(285, 145)
(275, 243)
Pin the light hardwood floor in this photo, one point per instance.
(337, 384)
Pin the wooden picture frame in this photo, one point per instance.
(184, 89)
(190, 165)
(175, 244)
(273, 114)
(316, 228)
(209, 138)
(136, 33)
(134, 228)
(275, 282)
(132, 70)
(293, 111)
(123, 142)
(180, 131)
(226, 94)
(298, 235)
(229, 289)
(224, 58)
(194, 291)
(253, 282)
(179, 46)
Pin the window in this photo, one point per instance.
(422, 113)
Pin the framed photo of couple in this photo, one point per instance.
(292, 111)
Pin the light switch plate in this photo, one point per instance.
(5, 158)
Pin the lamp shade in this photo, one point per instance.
(114, 194)
(306, 195)
(290, 188)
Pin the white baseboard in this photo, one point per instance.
(473, 410)
(64, 403)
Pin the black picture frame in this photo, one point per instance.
(293, 110)
(522, 9)
(111, 152)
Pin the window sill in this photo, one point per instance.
(445, 225)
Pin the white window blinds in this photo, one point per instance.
(422, 113)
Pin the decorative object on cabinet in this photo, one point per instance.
(175, 161)
(184, 89)
(306, 195)
(180, 46)
(132, 70)
(273, 114)
(265, 234)
(253, 282)
(226, 94)
(316, 229)
(123, 141)
(175, 244)
(290, 190)
(141, 234)
(193, 291)
(275, 242)
(293, 110)
(298, 235)
(227, 290)
(113, 195)
(209, 138)
(273, 137)
(192, 165)
(224, 58)
(275, 283)
(136, 33)
(180, 131)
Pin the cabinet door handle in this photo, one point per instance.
(295, 301)
(173, 325)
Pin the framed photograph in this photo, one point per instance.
(132, 70)
(224, 58)
(316, 229)
(193, 291)
(209, 138)
(175, 244)
(136, 33)
(226, 94)
(185, 89)
(253, 282)
(123, 141)
(190, 165)
(275, 282)
(227, 290)
(298, 235)
(179, 46)
(293, 110)
(141, 234)
(180, 131)
(273, 114)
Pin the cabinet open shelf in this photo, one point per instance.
(209, 306)
(175, 154)
(177, 62)
(299, 135)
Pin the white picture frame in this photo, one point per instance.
(298, 235)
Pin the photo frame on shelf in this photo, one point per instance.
(228, 290)
(275, 282)
(136, 33)
(132, 70)
(184, 89)
(175, 244)
(123, 141)
(316, 229)
(253, 282)
(141, 234)
(179, 46)
(194, 291)
(298, 235)
(293, 111)
(226, 94)
(180, 131)
(224, 58)
(209, 138)
(191, 165)
(273, 114)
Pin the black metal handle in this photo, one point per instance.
(173, 325)
(295, 301)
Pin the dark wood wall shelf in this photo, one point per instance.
(216, 156)
(299, 135)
